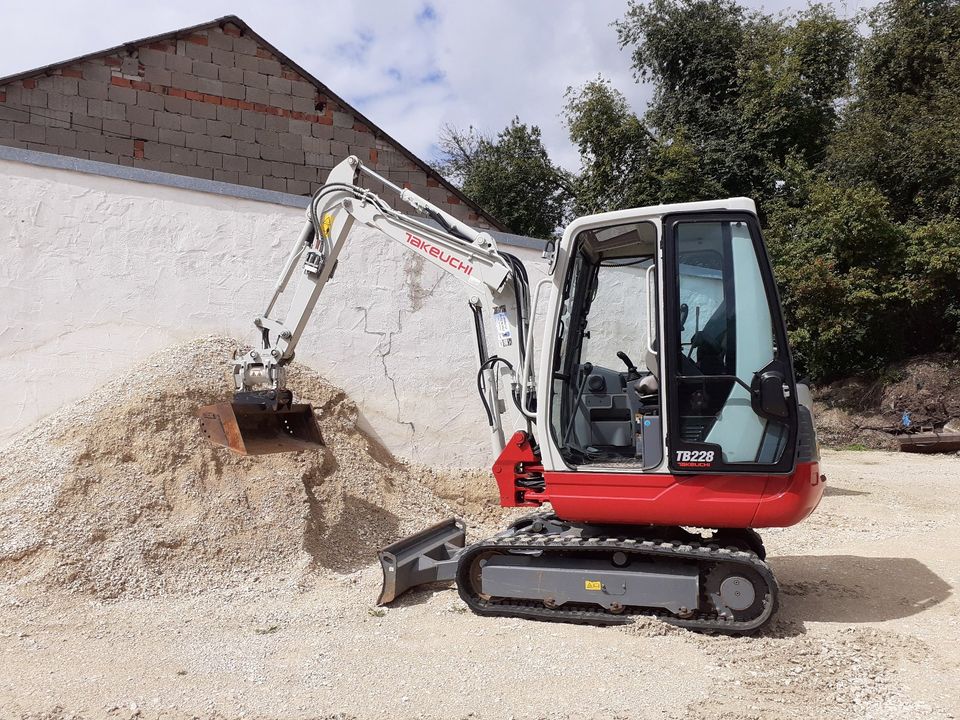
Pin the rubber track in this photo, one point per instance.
(702, 554)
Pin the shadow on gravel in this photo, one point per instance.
(852, 589)
(348, 544)
(831, 491)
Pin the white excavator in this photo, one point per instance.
(618, 463)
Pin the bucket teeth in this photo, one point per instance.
(250, 429)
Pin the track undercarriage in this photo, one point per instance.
(543, 568)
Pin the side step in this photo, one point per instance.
(430, 555)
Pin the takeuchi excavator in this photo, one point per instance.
(646, 482)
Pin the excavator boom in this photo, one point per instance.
(262, 417)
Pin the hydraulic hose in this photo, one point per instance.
(490, 362)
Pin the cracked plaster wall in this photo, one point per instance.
(99, 272)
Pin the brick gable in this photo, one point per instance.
(215, 102)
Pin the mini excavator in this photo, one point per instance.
(646, 484)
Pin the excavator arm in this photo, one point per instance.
(262, 418)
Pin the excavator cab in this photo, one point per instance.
(256, 424)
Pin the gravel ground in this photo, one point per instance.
(183, 605)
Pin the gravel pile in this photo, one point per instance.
(118, 495)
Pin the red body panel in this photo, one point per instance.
(518, 461)
(713, 501)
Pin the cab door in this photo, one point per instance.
(730, 388)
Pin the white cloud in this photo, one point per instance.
(408, 65)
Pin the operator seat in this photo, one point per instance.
(650, 385)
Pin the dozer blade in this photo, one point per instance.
(249, 429)
(430, 555)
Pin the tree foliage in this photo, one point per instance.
(746, 90)
(511, 176)
(901, 130)
(623, 163)
(848, 141)
(835, 251)
(613, 144)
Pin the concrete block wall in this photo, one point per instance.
(98, 272)
(217, 104)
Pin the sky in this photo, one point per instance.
(410, 66)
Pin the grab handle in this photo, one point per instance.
(527, 370)
(651, 308)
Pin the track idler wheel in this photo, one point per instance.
(735, 592)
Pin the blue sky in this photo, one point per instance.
(409, 65)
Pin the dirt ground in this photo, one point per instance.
(869, 628)
(922, 393)
(146, 574)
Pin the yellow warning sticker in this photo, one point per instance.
(592, 585)
(326, 224)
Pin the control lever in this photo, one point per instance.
(632, 373)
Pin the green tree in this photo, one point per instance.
(511, 176)
(613, 146)
(792, 74)
(622, 163)
(901, 131)
(860, 289)
(746, 90)
(932, 285)
(837, 258)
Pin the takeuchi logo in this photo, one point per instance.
(435, 252)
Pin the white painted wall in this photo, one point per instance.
(618, 318)
(97, 272)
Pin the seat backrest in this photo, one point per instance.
(650, 359)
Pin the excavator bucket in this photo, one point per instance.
(430, 555)
(249, 429)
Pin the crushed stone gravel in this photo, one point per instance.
(119, 495)
(145, 574)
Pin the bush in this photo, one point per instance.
(838, 259)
